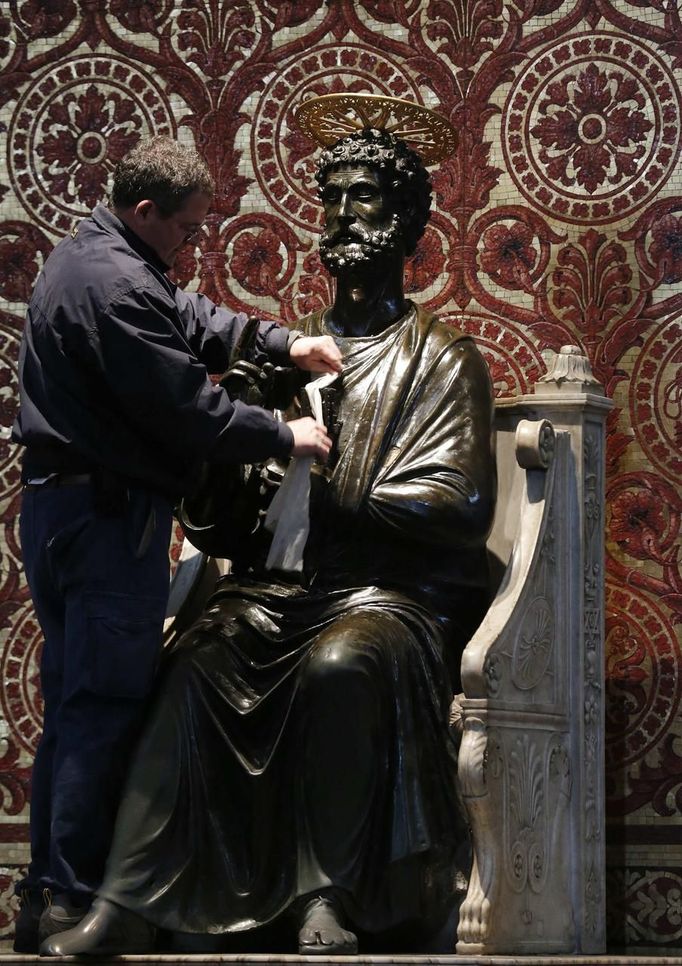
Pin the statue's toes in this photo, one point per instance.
(326, 941)
(309, 937)
(350, 942)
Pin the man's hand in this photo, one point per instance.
(310, 439)
(316, 354)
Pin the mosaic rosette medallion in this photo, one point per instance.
(72, 125)
(592, 128)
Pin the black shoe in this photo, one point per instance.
(107, 930)
(31, 906)
(60, 913)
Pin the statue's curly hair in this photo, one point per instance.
(399, 167)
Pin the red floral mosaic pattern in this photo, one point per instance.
(21, 700)
(71, 127)
(593, 127)
(513, 360)
(656, 407)
(509, 255)
(644, 692)
(665, 250)
(646, 908)
(559, 220)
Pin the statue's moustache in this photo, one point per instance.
(354, 233)
(359, 247)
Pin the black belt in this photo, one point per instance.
(61, 479)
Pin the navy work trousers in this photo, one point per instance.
(99, 584)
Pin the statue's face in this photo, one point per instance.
(361, 225)
(354, 196)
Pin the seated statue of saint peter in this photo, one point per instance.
(298, 758)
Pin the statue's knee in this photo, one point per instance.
(336, 659)
(343, 694)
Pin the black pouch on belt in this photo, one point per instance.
(109, 493)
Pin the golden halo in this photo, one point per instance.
(330, 117)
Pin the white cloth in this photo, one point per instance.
(288, 517)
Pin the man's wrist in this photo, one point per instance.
(285, 442)
(291, 338)
(277, 345)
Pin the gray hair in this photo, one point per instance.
(160, 170)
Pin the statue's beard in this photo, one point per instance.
(360, 247)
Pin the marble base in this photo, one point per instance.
(251, 959)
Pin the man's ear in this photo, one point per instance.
(143, 209)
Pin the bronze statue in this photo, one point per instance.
(298, 757)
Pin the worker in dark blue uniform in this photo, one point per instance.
(117, 413)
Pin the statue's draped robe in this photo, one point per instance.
(300, 737)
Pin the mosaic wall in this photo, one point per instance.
(558, 221)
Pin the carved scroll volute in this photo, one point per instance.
(484, 668)
(534, 444)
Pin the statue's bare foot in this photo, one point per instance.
(321, 932)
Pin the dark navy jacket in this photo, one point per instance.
(112, 368)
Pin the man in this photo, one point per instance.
(117, 413)
(298, 758)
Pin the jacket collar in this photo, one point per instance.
(106, 219)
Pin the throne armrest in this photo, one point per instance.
(523, 503)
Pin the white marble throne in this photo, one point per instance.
(532, 712)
